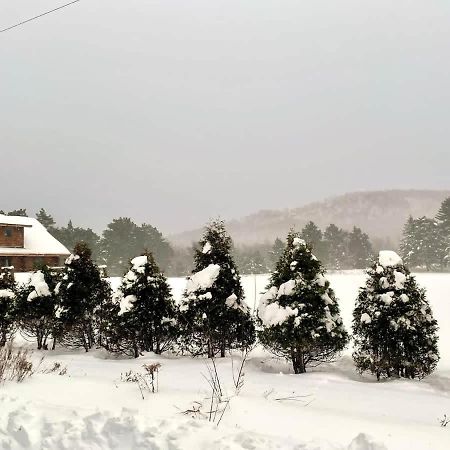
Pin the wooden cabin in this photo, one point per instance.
(25, 244)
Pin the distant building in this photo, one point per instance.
(25, 244)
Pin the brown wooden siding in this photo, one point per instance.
(11, 236)
(30, 263)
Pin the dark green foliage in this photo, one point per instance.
(443, 215)
(8, 289)
(443, 220)
(299, 313)
(312, 235)
(16, 212)
(145, 320)
(70, 236)
(213, 315)
(360, 249)
(394, 331)
(37, 307)
(123, 239)
(45, 219)
(336, 246)
(421, 246)
(276, 252)
(82, 295)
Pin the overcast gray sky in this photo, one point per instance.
(175, 111)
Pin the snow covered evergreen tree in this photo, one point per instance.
(37, 306)
(394, 331)
(421, 245)
(82, 294)
(213, 315)
(443, 220)
(146, 320)
(299, 312)
(8, 290)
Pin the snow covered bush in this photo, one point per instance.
(394, 330)
(299, 313)
(7, 304)
(82, 296)
(145, 318)
(37, 306)
(213, 315)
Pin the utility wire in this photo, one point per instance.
(40, 15)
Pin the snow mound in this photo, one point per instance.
(204, 279)
(388, 258)
(24, 426)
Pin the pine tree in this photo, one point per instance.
(421, 245)
(82, 294)
(276, 252)
(360, 250)
(335, 240)
(443, 220)
(8, 290)
(313, 237)
(146, 320)
(45, 219)
(299, 312)
(394, 331)
(37, 306)
(123, 239)
(213, 315)
(71, 235)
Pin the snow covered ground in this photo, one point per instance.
(91, 408)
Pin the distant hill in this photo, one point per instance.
(381, 214)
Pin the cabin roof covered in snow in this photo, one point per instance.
(37, 240)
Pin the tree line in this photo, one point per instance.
(426, 241)
(425, 245)
(298, 318)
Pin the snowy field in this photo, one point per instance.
(91, 408)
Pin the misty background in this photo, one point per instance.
(172, 112)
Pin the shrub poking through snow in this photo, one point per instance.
(7, 304)
(213, 315)
(145, 320)
(15, 365)
(37, 306)
(394, 330)
(299, 313)
(82, 295)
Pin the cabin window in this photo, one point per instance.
(8, 232)
(4, 261)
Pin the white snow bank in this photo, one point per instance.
(24, 426)
(388, 258)
(203, 279)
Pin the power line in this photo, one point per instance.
(40, 15)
